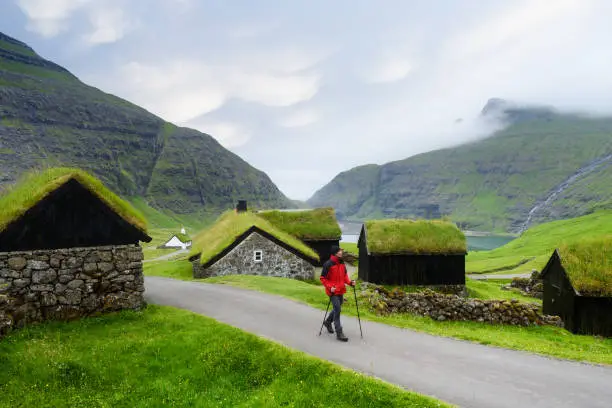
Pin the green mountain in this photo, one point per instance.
(49, 117)
(545, 165)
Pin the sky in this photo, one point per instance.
(304, 90)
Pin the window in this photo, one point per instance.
(257, 256)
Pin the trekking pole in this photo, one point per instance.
(357, 305)
(325, 317)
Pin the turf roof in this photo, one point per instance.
(212, 241)
(588, 265)
(184, 238)
(317, 224)
(36, 185)
(395, 236)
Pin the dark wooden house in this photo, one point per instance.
(407, 252)
(66, 208)
(318, 228)
(584, 305)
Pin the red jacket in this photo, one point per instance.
(334, 274)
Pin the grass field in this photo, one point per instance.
(549, 341)
(350, 247)
(537, 244)
(170, 357)
(181, 269)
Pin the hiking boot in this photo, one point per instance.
(328, 326)
(341, 337)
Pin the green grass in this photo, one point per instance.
(153, 252)
(36, 185)
(319, 223)
(180, 269)
(539, 242)
(166, 219)
(230, 226)
(551, 341)
(170, 357)
(416, 237)
(492, 290)
(588, 265)
(350, 247)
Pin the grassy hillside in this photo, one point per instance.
(533, 248)
(491, 184)
(50, 118)
(157, 358)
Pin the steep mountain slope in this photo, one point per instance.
(49, 117)
(543, 166)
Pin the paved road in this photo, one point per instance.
(498, 276)
(463, 373)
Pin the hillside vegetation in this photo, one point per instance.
(491, 184)
(534, 247)
(50, 118)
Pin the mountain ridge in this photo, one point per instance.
(490, 184)
(49, 117)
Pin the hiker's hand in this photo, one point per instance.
(352, 283)
(333, 289)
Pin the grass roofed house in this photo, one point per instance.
(69, 247)
(66, 208)
(177, 241)
(578, 286)
(318, 228)
(244, 243)
(407, 252)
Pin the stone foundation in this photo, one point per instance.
(66, 284)
(443, 307)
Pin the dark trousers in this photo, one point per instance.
(336, 301)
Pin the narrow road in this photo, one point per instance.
(168, 256)
(462, 373)
(476, 276)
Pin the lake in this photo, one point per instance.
(484, 243)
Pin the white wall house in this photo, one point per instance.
(175, 242)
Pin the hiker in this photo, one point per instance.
(335, 278)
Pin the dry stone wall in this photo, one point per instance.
(65, 284)
(276, 261)
(444, 307)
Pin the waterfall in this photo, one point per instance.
(583, 171)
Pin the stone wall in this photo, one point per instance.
(532, 286)
(276, 261)
(443, 307)
(66, 284)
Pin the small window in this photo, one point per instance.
(257, 256)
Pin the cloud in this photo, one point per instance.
(514, 24)
(299, 119)
(388, 70)
(109, 24)
(388, 83)
(182, 90)
(49, 17)
(230, 135)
